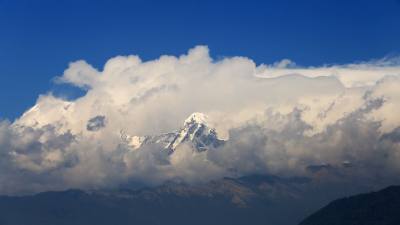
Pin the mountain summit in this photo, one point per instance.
(195, 131)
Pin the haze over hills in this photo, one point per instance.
(254, 199)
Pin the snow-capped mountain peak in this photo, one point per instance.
(195, 132)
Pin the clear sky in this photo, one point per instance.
(39, 38)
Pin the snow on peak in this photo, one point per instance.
(134, 142)
(196, 117)
(197, 132)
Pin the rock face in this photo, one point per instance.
(255, 200)
(96, 123)
(195, 132)
(376, 208)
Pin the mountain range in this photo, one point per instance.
(248, 200)
(256, 200)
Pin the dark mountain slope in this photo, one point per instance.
(376, 208)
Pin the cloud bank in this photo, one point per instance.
(279, 119)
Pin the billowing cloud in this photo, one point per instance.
(279, 119)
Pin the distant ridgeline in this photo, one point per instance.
(253, 200)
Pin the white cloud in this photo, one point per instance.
(279, 119)
(352, 75)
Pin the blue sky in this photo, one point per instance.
(39, 38)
